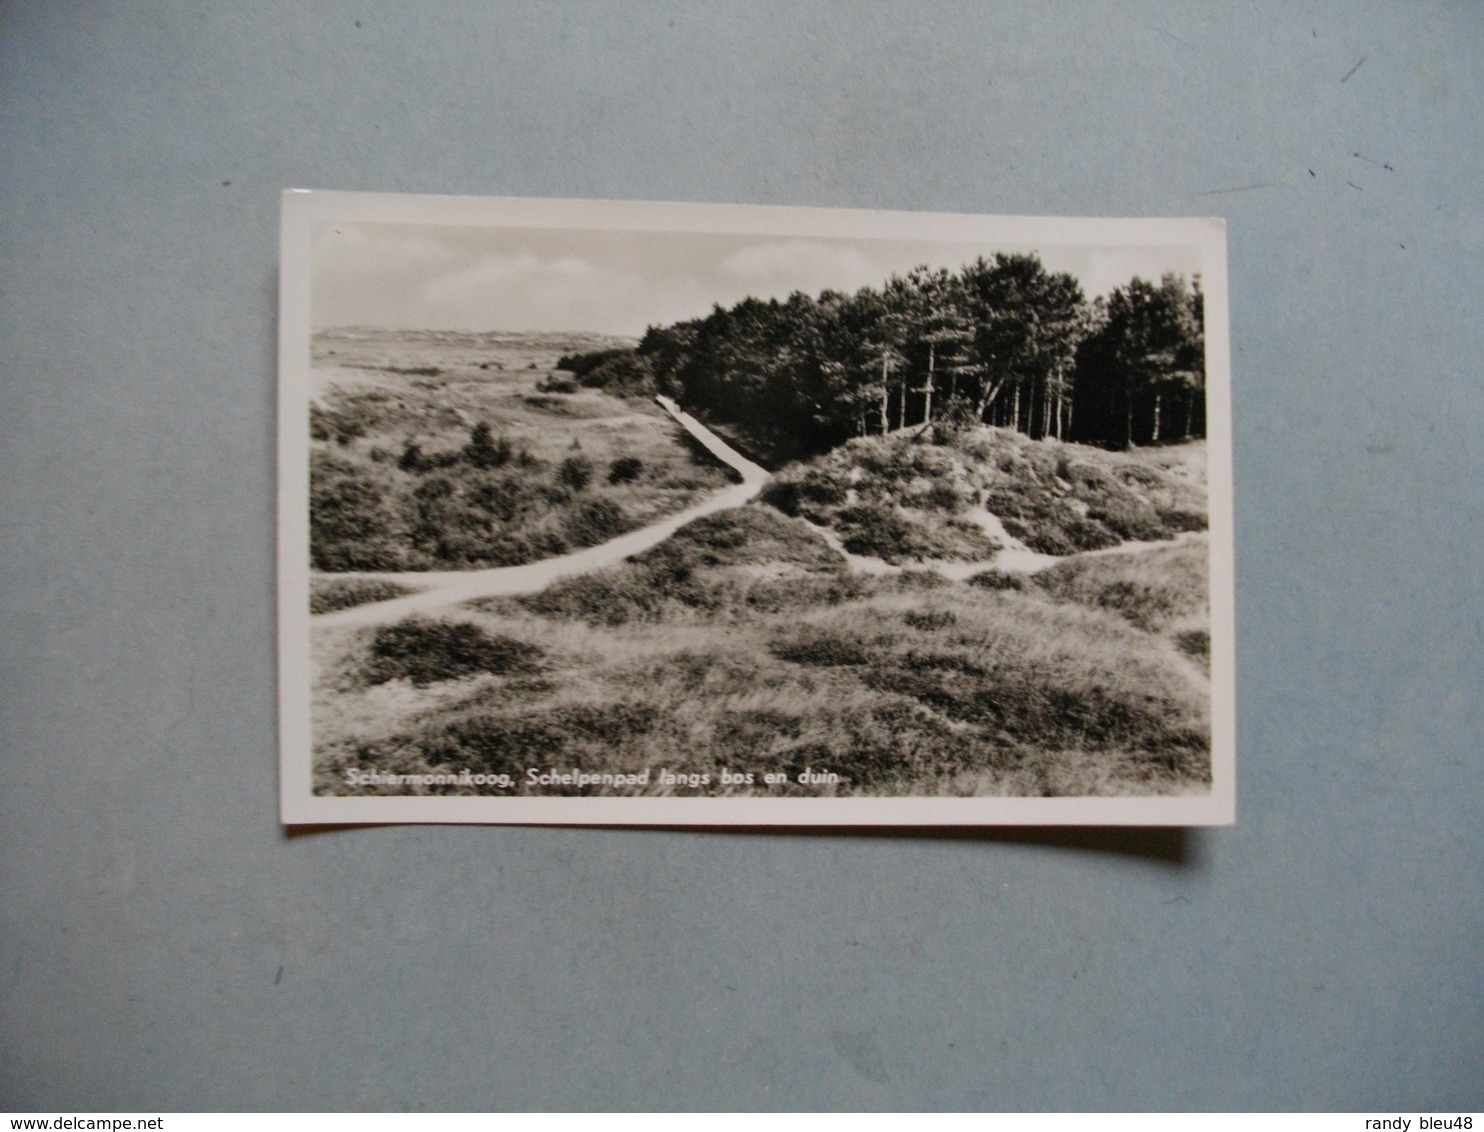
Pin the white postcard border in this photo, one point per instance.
(303, 209)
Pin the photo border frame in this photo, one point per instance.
(303, 209)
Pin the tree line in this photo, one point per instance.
(1002, 341)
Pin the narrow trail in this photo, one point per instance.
(453, 587)
(1014, 558)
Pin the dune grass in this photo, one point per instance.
(426, 650)
(1156, 589)
(887, 497)
(423, 458)
(903, 499)
(745, 644)
(1065, 498)
(327, 594)
(899, 686)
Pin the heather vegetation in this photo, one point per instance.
(981, 575)
(463, 464)
(900, 498)
(745, 641)
(327, 594)
(425, 651)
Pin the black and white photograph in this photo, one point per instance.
(696, 514)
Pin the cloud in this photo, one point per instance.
(531, 292)
(777, 267)
(1108, 268)
(619, 282)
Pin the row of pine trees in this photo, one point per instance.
(1001, 341)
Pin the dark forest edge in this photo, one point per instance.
(1001, 342)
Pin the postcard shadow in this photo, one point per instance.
(1176, 847)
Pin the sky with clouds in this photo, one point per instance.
(416, 276)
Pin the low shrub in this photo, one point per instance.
(914, 581)
(352, 524)
(624, 375)
(583, 364)
(329, 594)
(703, 457)
(624, 469)
(822, 646)
(939, 496)
(1127, 517)
(1046, 523)
(607, 597)
(426, 651)
(930, 620)
(998, 580)
(575, 472)
(1061, 500)
(1196, 644)
(485, 450)
(804, 591)
(1180, 520)
(595, 521)
(1151, 588)
(883, 531)
(508, 742)
(555, 383)
(806, 490)
(1035, 703)
(746, 535)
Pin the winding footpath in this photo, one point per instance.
(441, 589)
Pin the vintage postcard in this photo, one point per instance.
(614, 513)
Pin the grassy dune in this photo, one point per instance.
(903, 499)
(435, 451)
(742, 644)
(745, 643)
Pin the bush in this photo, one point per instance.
(320, 424)
(882, 531)
(425, 651)
(1044, 705)
(1196, 644)
(505, 742)
(748, 535)
(576, 472)
(595, 521)
(1127, 517)
(608, 597)
(556, 384)
(504, 497)
(998, 580)
(484, 450)
(329, 594)
(930, 620)
(625, 469)
(804, 591)
(351, 525)
(412, 458)
(1151, 588)
(801, 490)
(823, 646)
(955, 423)
(940, 497)
(584, 364)
(625, 375)
(1179, 520)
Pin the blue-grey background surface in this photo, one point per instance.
(165, 945)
